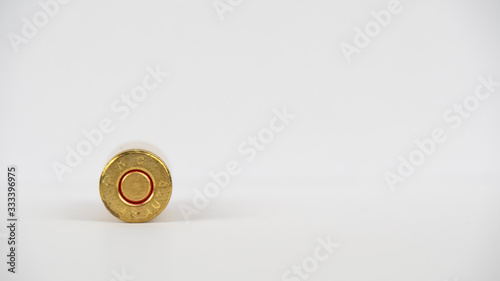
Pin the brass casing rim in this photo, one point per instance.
(124, 162)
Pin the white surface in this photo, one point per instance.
(322, 175)
(428, 233)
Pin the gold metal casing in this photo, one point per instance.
(135, 185)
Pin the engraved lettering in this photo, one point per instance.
(140, 160)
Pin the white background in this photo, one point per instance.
(322, 176)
